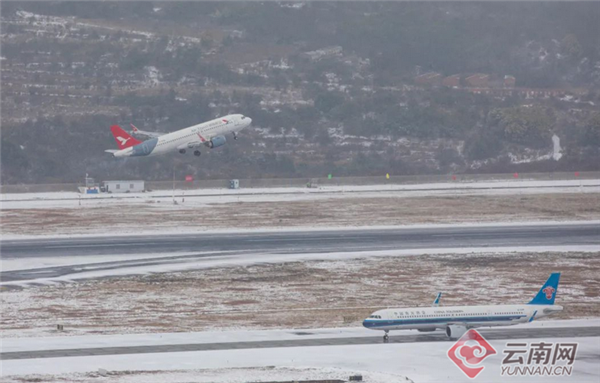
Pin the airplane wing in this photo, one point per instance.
(135, 131)
(112, 151)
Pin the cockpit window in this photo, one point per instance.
(243, 117)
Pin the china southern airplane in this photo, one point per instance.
(459, 319)
(210, 134)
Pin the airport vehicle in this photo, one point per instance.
(210, 134)
(459, 319)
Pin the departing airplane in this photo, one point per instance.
(210, 134)
(459, 319)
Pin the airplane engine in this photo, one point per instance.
(215, 142)
(455, 331)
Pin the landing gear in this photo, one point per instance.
(386, 337)
(234, 135)
(182, 151)
(197, 153)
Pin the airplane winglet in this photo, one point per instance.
(533, 316)
(436, 302)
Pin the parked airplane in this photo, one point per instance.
(210, 134)
(459, 319)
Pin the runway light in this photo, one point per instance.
(516, 175)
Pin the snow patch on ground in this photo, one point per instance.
(222, 375)
(42, 262)
(556, 150)
(92, 271)
(53, 199)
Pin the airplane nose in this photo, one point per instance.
(366, 323)
(249, 120)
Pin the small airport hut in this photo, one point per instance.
(132, 186)
(234, 184)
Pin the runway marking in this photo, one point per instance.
(303, 239)
(101, 245)
(491, 233)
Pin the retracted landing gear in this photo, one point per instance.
(197, 153)
(386, 337)
(234, 135)
(182, 151)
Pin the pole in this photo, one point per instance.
(173, 184)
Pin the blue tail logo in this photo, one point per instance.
(547, 293)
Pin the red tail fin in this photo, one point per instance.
(123, 139)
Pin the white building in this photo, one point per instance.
(132, 186)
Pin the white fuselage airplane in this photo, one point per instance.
(210, 134)
(459, 319)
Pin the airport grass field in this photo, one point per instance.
(312, 294)
(67, 214)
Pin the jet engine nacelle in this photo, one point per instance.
(455, 331)
(215, 142)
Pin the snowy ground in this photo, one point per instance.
(420, 362)
(201, 197)
(264, 298)
(100, 266)
(27, 215)
(304, 293)
(232, 336)
(218, 375)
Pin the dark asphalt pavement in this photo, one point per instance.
(496, 334)
(292, 242)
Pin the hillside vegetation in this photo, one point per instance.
(330, 87)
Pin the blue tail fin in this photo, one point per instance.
(548, 292)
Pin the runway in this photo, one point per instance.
(248, 245)
(495, 334)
